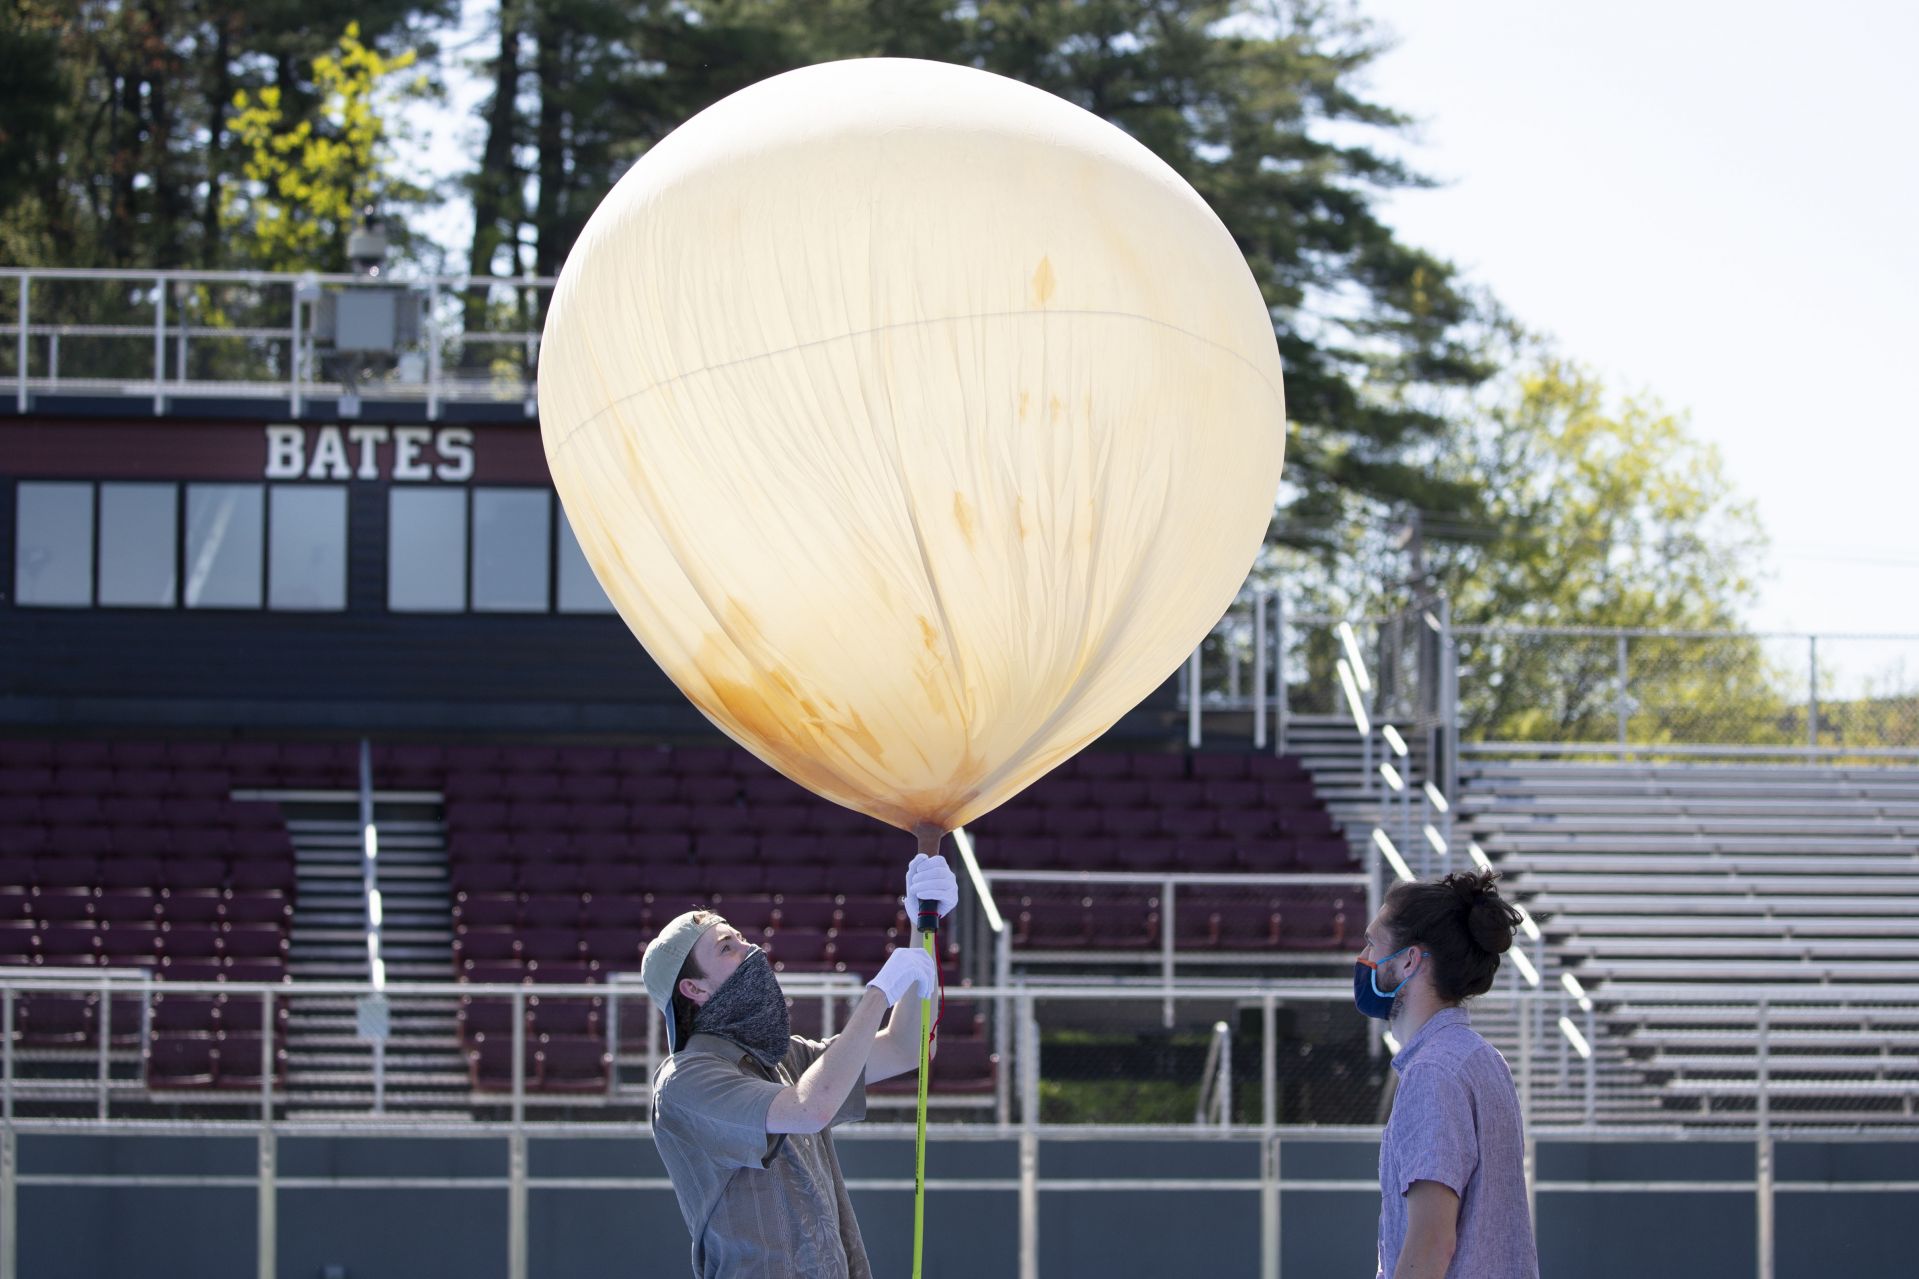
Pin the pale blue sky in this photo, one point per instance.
(1716, 203)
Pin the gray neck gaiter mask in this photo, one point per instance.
(749, 1009)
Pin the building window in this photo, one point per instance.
(53, 545)
(579, 590)
(139, 545)
(225, 550)
(426, 550)
(511, 550)
(306, 556)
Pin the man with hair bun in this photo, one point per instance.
(1452, 1177)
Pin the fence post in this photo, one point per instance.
(1268, 1140)
(1592, 1068)
(432, 329)
(1525, 1011)
(1259, 670)
(159, 346)
(1003, 1028)
(1028, 1141)
(20, 384)
(1762, 1181)
(1279, 673)
(1621, 699)
(516, 1148)
(1812, 695)
(293, 353)
(1167, 921)
(1192, 698)
(9, 1154)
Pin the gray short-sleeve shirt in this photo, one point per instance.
(758, 1206)
(1456, 1121)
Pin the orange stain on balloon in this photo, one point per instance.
(1045, 284)
(963, 516)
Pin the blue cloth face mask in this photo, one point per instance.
(1367, 996)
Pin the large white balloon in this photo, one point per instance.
(918, 422)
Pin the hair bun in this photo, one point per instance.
(1487, 922)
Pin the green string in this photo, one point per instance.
(919, 1160)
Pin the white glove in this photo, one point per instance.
(904, 969)
(930, 879)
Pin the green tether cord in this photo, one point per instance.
(919, 1157)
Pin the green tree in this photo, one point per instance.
(1602, 512)
(307, 179)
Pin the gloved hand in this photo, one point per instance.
(930, 879)
(904, 970)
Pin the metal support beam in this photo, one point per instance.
(1268, 1139)
(1259, 670)
(1028, 1142)
(1763, 1169)
(1193, 732)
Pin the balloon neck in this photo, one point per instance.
(929, 837)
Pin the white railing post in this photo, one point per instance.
(1763, 1170)
(159, 346)
(1812, 696)
(1620, 708)
(295, 350)
(1268, 1140)
(1192, 698)
(433, 351)
(1279, 673)
(1259, 670)
(20, 377)
(1028, 1141)
(1166, 923)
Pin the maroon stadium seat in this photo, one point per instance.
(587, 760)
(1129, 823)
(1156, 767)
(195, 1013)
(256, 875)
(551, 910)
(638, 760)
(254, 941)
(26, 754)
(1074, 822)
(81, 754)
(530, 788)
(493, 972)
(488, 877)
(489, 1063)
(180, 1061)
(875, 914)
(794, 911)
(561, 972)
(238, 1060)
(614, 949)
(45, 1019)
(799, 950)
(487, 910)
(192, 969)
(1247, 925)
(1311, 925)
(861, 952)
(130, 939)
(1044, 925)
(620, 878)
(717, 790)
(1219, 767)
(184, 907)
(648, 790)
(1325, 854)
(1100, 764)
(696, 761)
(551, 945)
(1176, 792)
(563, 1015)
(1188, 823)
(1233, 794)
(572, 1063)
(613, 910)
(488, 1015)
(65, 905)
(127, 905)
(1054, 791)
(485, 945)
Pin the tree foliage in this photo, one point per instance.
(306, 179)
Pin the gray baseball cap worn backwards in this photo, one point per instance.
(665, 956)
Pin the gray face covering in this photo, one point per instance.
(749, 1010)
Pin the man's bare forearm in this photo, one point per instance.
(810, 1103)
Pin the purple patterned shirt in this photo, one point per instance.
(1456, 1121)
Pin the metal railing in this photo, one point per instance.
(1557, 691)
(1234, 1071)
(158, 336)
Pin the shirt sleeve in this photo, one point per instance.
(1437, 1137)
(804, 1053)
(713, 1106)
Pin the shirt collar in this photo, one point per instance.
(717, 1045)
(1438, 1021)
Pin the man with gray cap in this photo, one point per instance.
(742, 1108)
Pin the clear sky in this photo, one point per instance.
(1715, 203)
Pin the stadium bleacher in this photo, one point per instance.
(1801, 881)
(562, 862)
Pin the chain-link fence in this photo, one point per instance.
(1770, 693)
